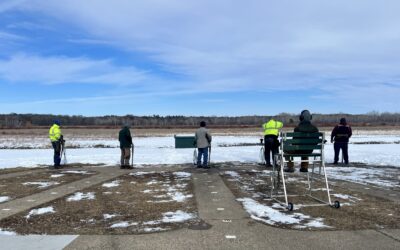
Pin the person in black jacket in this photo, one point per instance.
(125, 143)
(340, 135)
(305, 126)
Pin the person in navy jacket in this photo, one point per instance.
(340, 135)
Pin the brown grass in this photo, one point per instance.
(362, 212)
(127, 200)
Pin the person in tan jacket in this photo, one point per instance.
(203, 142)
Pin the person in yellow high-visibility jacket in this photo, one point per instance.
(55, 136)
(271, 143)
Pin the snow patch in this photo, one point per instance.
(75, 172)
(4, 198)
(346, 197)
(109, 216)
(39, 211)
(41, 184)
(56, 175)
(177, 196)
(140, 173)
(153, 229)
(317, 223)
(272, 216)
(5, 232)
(152, 222)
(372, 176)
(178, 216)
(81, 196)
(123, 224)
(233, 174)
(152, 182)
(183, 175)
(111, 184)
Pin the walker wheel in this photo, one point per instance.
(336, 204)
(290, 206)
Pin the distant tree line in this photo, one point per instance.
(111, 121)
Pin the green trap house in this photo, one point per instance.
(185, 141)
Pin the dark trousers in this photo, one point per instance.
(57, 152)
(344, 147)
(271, 145)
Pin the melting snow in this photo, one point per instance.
(153, 229)
(317, 223)
(41, 184)
(109, 216)
(5, 232)
(178, 216)
(182, 174)
(346, 197)
(4, 198)
(364, 175)
(142, 173)
(39, 211)
(152, 182)
(152, 222)
(111, 184)
(233, 174)
(179, 197)
(272, 216)
(56, 175)
(123, 224)
(75, 172)
(81, 196)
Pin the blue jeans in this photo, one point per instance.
(57, 152)
(202, 152)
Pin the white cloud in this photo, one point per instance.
(231, 46)
(10, 36)
(258, 40)
(61, 69)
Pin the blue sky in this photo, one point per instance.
(173, 57)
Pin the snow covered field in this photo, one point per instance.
(379, 148)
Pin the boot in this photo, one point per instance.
(304, 167)
(289, 167)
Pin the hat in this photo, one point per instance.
(305, 115)
(343, 121)
(57, 122)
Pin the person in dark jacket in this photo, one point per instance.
(340, 136)
(125, 144)
(304, 126)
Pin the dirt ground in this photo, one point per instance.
(35, 182)
(16, 170)
(129, 204)
(113, 133)
(357, 211)
(143, 202)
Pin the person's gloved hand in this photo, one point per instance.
(331, 141)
